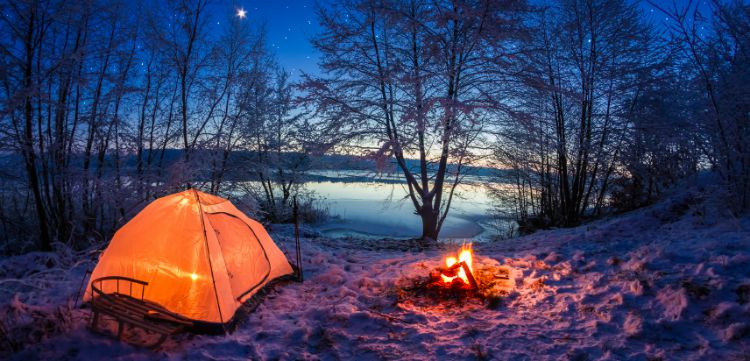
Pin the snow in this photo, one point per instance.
(670, 281)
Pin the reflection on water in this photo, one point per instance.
(382, 209)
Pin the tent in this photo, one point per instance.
(201, 256)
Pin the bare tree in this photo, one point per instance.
(184, 41)
(581, 76)
(720, 63)
(240, 54)
(280, 158)
(410, 79)
(29, 30)
(72, 73)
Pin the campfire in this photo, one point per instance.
(458, 270)
(462, 277)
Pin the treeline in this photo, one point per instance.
(612, 109)
(592, 105)
(589, 106)
(85, 85)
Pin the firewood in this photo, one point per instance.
(451, 271)
(469, 275)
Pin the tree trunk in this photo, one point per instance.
(429, 217)
(45, 242)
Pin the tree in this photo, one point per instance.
(29, 32)
(243, 58)
(282, 158)
(720, 67)
(411, 79)
(86, 90)
(185, 44)
(581, 75)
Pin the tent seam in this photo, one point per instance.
(208, 255)
(265, 254)
(222, 252)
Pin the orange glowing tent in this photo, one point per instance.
(201, 257)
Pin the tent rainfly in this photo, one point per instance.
(201, 256)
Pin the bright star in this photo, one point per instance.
(241, 13)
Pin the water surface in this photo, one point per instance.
(367, 206)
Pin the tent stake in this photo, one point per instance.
(295, 216)
(78, 294)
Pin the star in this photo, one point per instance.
(241, 13)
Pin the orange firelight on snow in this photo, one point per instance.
(465, 256)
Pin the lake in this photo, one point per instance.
(364, 205)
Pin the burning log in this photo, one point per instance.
(460, 280)
(487, 282)
(451, 273)
(460, 268)
(469, 275)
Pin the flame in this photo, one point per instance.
(464, 255)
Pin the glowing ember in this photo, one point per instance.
(465, 256)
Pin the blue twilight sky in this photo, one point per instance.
(291, 23)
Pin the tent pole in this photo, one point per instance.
(295, 216)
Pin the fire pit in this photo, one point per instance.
(463, 277)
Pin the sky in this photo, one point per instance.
(291, 23)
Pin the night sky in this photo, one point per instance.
(291, 23)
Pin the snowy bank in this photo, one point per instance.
(671, 281)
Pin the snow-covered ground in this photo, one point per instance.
(667, 282)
